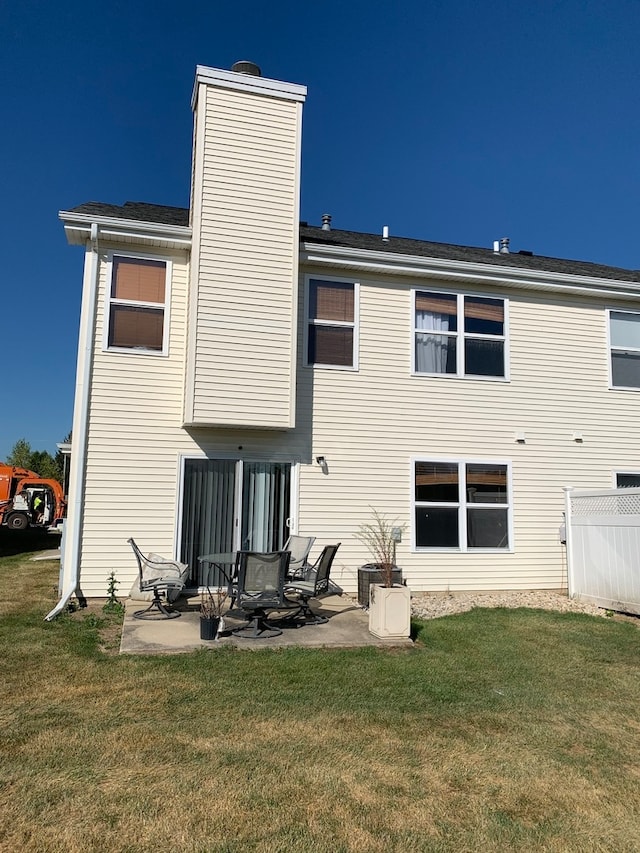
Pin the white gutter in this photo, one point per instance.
(70, 562)
(112, 226)
(174, 241)
(367, 260)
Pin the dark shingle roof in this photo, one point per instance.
(137, 210)
(447, 251)
(162, 214)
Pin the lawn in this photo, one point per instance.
(502, 730)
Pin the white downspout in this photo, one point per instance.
(70, 556)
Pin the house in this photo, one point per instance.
(242, 375)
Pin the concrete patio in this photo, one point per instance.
(347, 627)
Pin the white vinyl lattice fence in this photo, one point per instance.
(603, 547)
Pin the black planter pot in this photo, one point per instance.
(209, 627)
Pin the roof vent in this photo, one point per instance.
(326, 222)
(385, 233)
(246, 67)
(504, 246)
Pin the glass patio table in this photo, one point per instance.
(221, 561)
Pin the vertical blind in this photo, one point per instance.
(209, 510)
(265, 505)
(207, 513)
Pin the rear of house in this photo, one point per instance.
(242, 375)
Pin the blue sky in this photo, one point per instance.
(459, 122)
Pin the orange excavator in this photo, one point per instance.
(27, 500)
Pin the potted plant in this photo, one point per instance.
(211, 603)
(389, 602)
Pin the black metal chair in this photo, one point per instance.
(261, 579)
(315, 584)
(159, 575)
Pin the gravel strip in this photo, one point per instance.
(427, 605)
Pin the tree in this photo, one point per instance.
(43, 463)
(20, 455)
(39, 461)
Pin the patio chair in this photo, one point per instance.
(159, 575)
(315, 584)
(299, 547)
(261, 579)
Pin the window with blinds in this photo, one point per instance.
(459, 335)
(624, 338)
(137, 304)
(331, 323)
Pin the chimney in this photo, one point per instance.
(504, 246)
(230, 107)
(326, 222)
(246, 67)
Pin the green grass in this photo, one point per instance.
(502, 730)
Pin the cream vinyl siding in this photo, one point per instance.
(371, 424)
(243, 309)
(135, 443)
(135, 417)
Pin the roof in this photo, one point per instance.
(448, 251)
(137, 211)
(162, 214)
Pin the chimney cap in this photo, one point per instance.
(244, 66)
(326, 222)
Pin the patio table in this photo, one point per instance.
(222, 561)
(229, 558)
(219, 561)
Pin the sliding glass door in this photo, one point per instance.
(231, 504)
(208, 511)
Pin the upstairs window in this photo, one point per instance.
(137, 303)
(459, 335)
(624, 335)
(461, 505)
(331, 326)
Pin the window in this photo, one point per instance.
(459, 335)
(461, 505)
(331, 327)
(627, 480)
(624, 334)
(137, 301)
